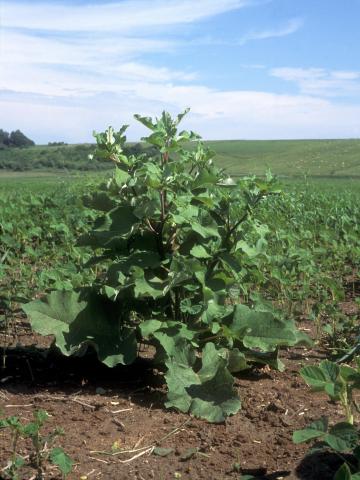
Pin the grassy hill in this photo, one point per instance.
(338, 158)
(317, 158)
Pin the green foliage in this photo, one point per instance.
(59, 458)
(38, 231)
(42, 451)
(207, 393)
(287, 158)
(4, 138)
(14, 139)
(298, 253)
(338, 381)
(171, 241)
(18, 139)
(56, 156)
(341, 438)
(79, 320)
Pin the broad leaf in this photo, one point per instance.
(198, 251)
(80, 319)
(59, 458)
(324, 377)
(344, 473)
(261, 330)
(99, 201)
(207, 394)
(342, 437)
(316, 429)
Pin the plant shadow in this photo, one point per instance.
(322, 465)
(261, 474)
(29, 370)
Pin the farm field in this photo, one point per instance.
(300, 257)
(327, 158)
(299, 158)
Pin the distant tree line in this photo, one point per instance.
(56, 144)
(60, 156)
(14, 139)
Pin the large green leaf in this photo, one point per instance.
(147, 121)
(205, 231)
(342, 437)
(167, 336)
(208, 393)
(148, 327)
(171, 333)
(80, 319)
(141, 259)
(261, 330)
(99, 201)
(102, 239)
(204, 179)
(265, 358)
(236, 360)
(121, 177)
(314, 430)
(344, 473)
(324, 377)
(120, 221)
(144, 287)
(198, 251)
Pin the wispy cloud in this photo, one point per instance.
(321, 82)
(253, 66)
(122, 16)
(56, 48)
(33, 49)
(290, 27)
(71, 68)
(214, 113)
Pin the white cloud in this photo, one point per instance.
(215, 114)
(342, 75)
(137, 71)
(54, 66)
(290, 27)
(321, 82)
(67, 69)
(66, 49)
(118, 17)
(27, 48)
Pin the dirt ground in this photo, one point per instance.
(101, 408)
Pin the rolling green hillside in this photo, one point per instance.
(327, 158)
(336, 158)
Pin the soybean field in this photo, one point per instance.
(234, 370)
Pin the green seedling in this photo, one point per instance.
(342, 438)
(43, 449)
(338, 381)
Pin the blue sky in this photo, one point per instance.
(247, 68)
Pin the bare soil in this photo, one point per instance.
(100, 408)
